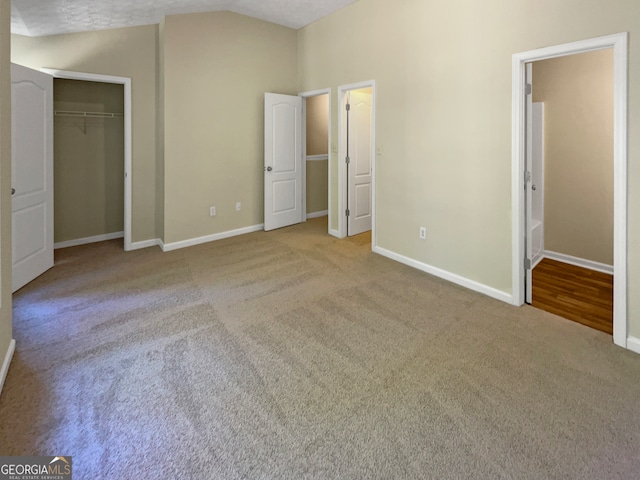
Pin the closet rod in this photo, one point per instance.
(66, 113)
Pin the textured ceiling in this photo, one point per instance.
(37, 18)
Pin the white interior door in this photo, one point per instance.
(359, 151)
(528, 185)
(282, 161)
(537, 184)
(31, 173)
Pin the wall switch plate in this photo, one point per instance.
(238, 206)
(379, 150)
(423, 233)
(212, 211)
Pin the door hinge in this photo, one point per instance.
(527, 264)
(528, 89)
(347, 213)
(348, 107)
(348, 160)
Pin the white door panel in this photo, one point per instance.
(537, 187)
(282, 161)
(528, 185)
(360, 151)
(32, 173)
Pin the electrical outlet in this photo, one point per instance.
(238, 206)
(212, 211)
(423, 233)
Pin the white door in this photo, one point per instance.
(359, 152)
(31, 173)
(536, 230)
(529, 186)
(282, 161)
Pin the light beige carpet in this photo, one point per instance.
(294, 355)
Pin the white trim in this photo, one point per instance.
(342, 167)
(305, 95)
(317, 158)
(579, 262)
(450, 277)
(168, 247)
(7, 362)
(87, 240)
(128, 155)
(323, 213)
(155, 242)
(633, 344)
(332, 232)
(619, 43)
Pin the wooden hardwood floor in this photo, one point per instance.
(576, 293)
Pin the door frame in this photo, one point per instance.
(343, 180)
(305, 95)
(619, 44)
(126, 81)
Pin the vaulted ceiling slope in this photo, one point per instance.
(36, 18)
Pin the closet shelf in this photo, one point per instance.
(67, 113)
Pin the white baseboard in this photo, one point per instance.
(6, 363)
(450, 277)
(86, 240)
(155, 242)
(168, 247)
(334, 233)
(579, 262)
(633, 344)
(323, 213)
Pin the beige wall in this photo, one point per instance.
(317, 186)
(317, 123)
(577, 92)
(443, 78)
(88, 161)
(217, 67)
(125, 52)
(5, 180)
(317, 144)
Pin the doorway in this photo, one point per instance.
(356, 160)
(88, 162)
(295, 181)
(521, 265)
(316, 134)
(111, 116)
(570, 217)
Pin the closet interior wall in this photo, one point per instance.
(317, 154)
(88, 160)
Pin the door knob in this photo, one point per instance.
(13, 191)
(533, 187)
(269, 169)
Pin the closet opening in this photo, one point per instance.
(112, 112)
(88, 162)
